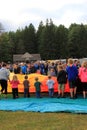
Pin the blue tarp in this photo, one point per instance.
(78, 105)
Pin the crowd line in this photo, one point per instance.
(71, 71)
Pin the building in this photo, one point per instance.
(26, 57)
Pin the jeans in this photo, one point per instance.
(38, 94)
(51, 92)
(26, 92)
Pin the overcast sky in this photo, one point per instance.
(16, 14)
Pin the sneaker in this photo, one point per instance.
(58, 96)
(71, 97)
(63, 97)
(75, 96)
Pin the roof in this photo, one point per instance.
(26, 57)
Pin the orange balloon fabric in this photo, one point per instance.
(31, 77)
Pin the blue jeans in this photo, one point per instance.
(38, 94)
(51, 92)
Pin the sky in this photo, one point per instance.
(16, 14)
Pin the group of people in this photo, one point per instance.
(72, 73)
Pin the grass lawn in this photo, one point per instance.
(42, 121)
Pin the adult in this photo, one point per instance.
(4, 76)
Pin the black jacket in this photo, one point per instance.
(62, 77)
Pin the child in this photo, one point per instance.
(26, 86)
(62, 80)
(83, 77)
(37, 85)
(72, 73)
(50, 84)
(15, 82)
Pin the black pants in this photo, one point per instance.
(3, 86)
(15, 92)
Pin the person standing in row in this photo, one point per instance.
(50, 84)
(26, 87)
(4, 77)
(62, 80)
(72, 72)
(83, 77)
(15, 82)
(37, 85)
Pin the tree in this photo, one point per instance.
(5, 54)
(47, 47)
(38, 35)
(77, 45)
(1, 28)
(29, 39)
(61, 41)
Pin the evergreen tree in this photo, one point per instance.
(5, 47)
(29, 39)
(77, 42)
(38, 35)
(47, 42)
(61, 41)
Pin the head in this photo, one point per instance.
(60, 67)
(15, 78)
(49, 76)
(70, 61)
(4, 65)
(36, 78)
(84, 64)
(26, 77)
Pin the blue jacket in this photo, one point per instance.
(72, 72)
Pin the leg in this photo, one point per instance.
(38, 94)
(71, 92)
(84, 94)
(13, 93)
(63, 88)
(25, 92)
(71, 88)
(4, 87)
(59, 90)
(28, 93)
(84, 89)
(16, 92)
(49, 92)
(75, 89)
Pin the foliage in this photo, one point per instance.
(49, 40)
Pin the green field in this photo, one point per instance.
(42, 121)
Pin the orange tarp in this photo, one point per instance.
(31, 77)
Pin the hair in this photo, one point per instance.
(4, 65)
(70, 61)
(36, 78)
(26, 77)
(15, 78)
(84, 64)
(49, 76)
(60, 67)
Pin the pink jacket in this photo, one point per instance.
(83, 74)
(14, 83)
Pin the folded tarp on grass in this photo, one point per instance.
(45, 105)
